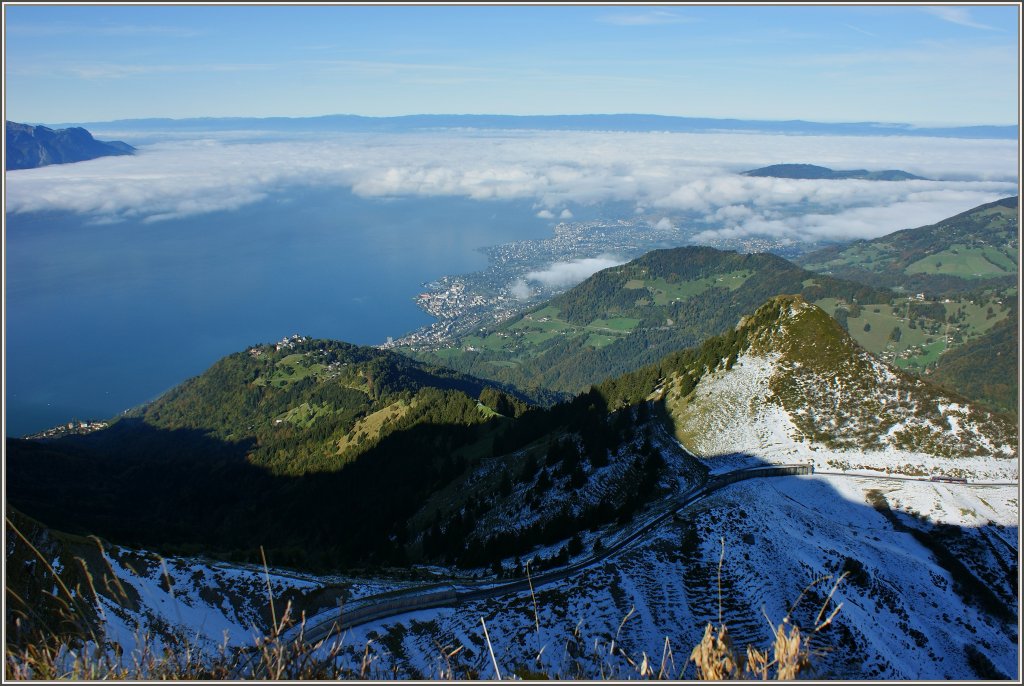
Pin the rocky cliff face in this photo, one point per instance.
(37, 146)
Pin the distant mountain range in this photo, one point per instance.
(30, 146)
(811, 171)
(581, 122)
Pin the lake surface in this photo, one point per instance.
(104, 317)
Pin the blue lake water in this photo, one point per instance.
(104, 317)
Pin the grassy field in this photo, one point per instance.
(596, 340)
(921, 344)
(665, 293)
(866, 254)
(305, 414)
(965, 262)
(371, 426)
(291, 369)
(539, 327)
(617, 324)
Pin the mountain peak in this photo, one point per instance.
(37, 146)
(791, 326)
(789, 382)
(780, 310)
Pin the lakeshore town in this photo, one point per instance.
(513, 281)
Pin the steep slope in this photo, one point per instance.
(625, 317)
(794, 386)
(986, 368)
(960, 279)
(283, 445)
(311, 405)
(329, 454)
(811, 171)
(29, 146)
(750, 552)
(938, 604)
(971, 251)
(931, 586)
(86, 587)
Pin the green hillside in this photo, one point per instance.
(973, 251)
(958, 282)
(329, 455)
(628, 316)
(314, 405)
(986, 368)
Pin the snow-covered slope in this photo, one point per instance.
(939, 604)
(802, 390)
(141, 597)
(902, 616)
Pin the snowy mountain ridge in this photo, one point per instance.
(802, 390)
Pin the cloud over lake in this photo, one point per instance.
(678, 175)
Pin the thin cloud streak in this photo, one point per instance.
(957, 15)
(112, 70)
(860, 30)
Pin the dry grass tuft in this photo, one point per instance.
(716, 659)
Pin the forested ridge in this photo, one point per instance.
(297, 403)
(234, 460)
(986, 368)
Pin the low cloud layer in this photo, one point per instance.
(680, 176)
(565, 274)
(561, 275)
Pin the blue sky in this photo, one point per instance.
(914, 64)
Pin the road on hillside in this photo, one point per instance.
(373, 608)
(890, 477)
(383, 606)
